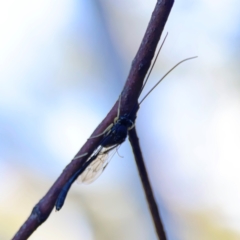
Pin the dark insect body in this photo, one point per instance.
(114, 135)
(118, 132)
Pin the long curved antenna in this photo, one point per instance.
(154, 61)
(148, 75)
(184, 60)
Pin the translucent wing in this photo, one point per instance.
(94, 170)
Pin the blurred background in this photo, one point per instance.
(63, 65)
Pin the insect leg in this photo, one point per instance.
(118, 112)
(133, 125)
(84, 154)
(115, 120)
(106, 130)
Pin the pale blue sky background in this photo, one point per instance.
(63, 65)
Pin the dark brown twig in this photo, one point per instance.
(133, 138)
(129, 96)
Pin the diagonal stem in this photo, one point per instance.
(133, 138)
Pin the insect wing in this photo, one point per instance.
(94, 170)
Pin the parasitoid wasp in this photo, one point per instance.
(113, 136)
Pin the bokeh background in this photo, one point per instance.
(63, 65)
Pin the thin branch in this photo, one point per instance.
(133, 138)
(129, 97)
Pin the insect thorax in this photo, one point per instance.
(118, 133)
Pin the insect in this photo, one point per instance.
(113, 136)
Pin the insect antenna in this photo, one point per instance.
(154, 61)
(135, 107)
(184, 60)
